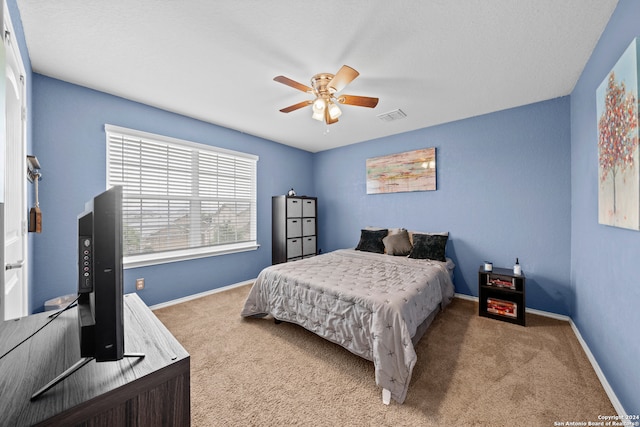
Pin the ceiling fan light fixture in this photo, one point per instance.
(318, 113)
(334, 111)
(319, 106)
(324, 86)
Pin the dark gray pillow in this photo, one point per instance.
(429, 246)
(371, 241)
(398, 243)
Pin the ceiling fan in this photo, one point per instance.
(325, 88)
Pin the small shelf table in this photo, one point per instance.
(502, 295)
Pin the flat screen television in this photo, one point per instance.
(100, 315)
(100, 284)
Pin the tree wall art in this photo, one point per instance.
(618, 168)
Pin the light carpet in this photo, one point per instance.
(471, 371)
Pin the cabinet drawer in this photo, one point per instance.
(308, 226)
(294, 227)
(309, 208)
(294, 208)
(309, 245)
(294, 248)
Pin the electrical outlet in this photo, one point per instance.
(139, 284)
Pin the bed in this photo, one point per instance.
(375, 305)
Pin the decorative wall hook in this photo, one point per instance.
(33, 168)
(33, 175)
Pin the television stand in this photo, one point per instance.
(154, 390)
(79, 364)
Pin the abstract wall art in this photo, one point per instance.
(408, 171)
(618, 168)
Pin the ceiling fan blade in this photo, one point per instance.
(294, 84)
(360, 101)
(343, 77)
(297, 106)
(327, 117)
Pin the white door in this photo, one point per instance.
(15, 178)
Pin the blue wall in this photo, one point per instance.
(503, 191)
(69, 140)
(605, 270)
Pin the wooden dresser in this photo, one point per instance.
(152, 391)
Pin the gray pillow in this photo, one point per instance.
(397, 244)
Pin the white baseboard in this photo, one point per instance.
(467, 297)
(594, 363)
(603, 380)
(200, 295)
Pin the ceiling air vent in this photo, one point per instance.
(392, 115)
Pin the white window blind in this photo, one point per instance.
(181, 199)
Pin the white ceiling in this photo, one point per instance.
(437, 60)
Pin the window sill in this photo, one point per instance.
(183, 255)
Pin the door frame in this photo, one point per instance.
(12, 48)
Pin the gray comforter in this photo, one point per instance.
(371, 304)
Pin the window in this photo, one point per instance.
(181, 200)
